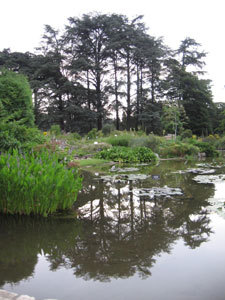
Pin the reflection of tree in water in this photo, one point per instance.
(129, 233)
(117, 235)
(117, 241)
(23, 238)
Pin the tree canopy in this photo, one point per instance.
(104, 66)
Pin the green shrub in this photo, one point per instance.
(124, 154)
(14, 136)
(92, 134)
(107, 129)
(186, 134)
(210, 139)
(76, 136)
(140, 133)
(208, 148)
(36, 184)
(90, 149)
(178, 150)
(150, 141)
(55, 130)
(120, 140)
(8, 141)
(220, 144)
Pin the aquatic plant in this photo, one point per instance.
(124, 154)
(36, 184)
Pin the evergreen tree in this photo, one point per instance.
(15, 98)
(197, 101)
(88, 46)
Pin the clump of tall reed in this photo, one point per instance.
(36, 183)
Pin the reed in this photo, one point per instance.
(36, 184)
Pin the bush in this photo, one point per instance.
(120, 140)
(107, 129)
(186, 134)
(55, 130)
(210, 139)
(8, 141)
(220, 144)
(36, 184)
(15, 136)
(124, 154)
(208, 148)
(178, 150)
(150, 141)
(92, 134)
(76, 136)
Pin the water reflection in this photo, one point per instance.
(117, 234)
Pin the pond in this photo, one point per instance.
(149, 232)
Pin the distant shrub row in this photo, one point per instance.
(124, 154)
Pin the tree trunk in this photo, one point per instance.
(128, 93)
(99, 103)
(116, 94)
(137, 100)
(61, 118)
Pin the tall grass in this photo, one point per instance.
(151, 141)
(36, 184)
(119, 140)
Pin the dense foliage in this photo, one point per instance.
(15, 99)
(15, 136)
(124, 154)
(36, 184)
(105, 65)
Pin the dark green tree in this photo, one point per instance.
(16, 98)
(184, 86)
(190, 55)
(88, 47)
(198, 105)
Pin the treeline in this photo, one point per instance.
(107, 69)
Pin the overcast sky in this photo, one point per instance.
(22, 25)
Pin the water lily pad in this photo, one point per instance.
(123, 177)
(199, 171)
(123, 170)
(207, 165)
(206, 179)
(158, 192)
(217, 206)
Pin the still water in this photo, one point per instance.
(130, 240)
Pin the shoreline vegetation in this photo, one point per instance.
(103, 91)
(44, 179)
